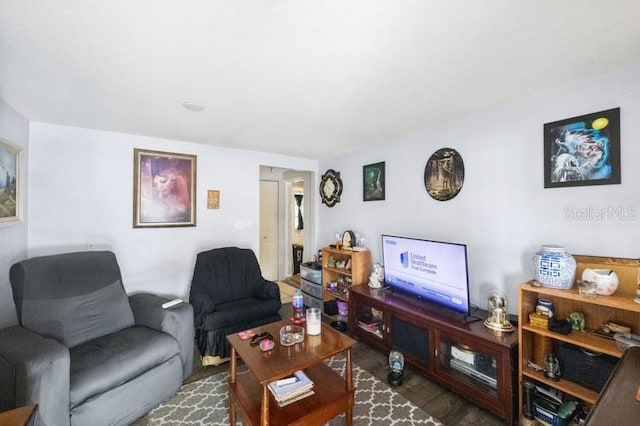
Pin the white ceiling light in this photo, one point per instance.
(192, 106)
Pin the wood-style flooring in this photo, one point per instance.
(441, 403)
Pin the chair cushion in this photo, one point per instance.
(242, 311)
(72, 297)
(109, 361)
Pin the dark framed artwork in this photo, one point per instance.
(164, 193)
(444, 174)
(373, 182)
(583, 150)
(330, 188)
(10, 183)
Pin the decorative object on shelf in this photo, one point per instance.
(396, 365)
(444, 174)
(377, 276)
(539, 320)
(348, 240)
(606, 280)
(11, 178)
(587, 288)
(373, 182)
(577, 321)
(330, 188)
(331, 263)
(497, 318)
(583, 150)
(164, 189)
(551, 367)
(554, 267)
(545, 307)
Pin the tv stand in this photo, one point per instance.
(462, 355)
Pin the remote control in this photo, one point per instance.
(287, 381)
(171, 303)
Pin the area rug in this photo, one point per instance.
(205, 402)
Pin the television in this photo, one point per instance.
(432, 270)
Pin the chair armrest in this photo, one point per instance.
(202, 306)
(268, 290)
(37, 371)
(176, 321)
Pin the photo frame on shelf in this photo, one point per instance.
(10, 183)
(583, 150)
(373, 185)
(164, 192)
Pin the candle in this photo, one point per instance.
(314, 321)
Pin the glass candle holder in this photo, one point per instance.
(314, 321)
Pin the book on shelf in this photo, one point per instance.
(295, 398)
(292, 388)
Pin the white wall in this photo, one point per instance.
(13, 237)
(81, 197)
(503, 212)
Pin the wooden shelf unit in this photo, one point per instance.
(535, 342)
(427, 334)
(357, 274)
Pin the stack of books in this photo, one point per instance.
(291, 389)
(368, 322)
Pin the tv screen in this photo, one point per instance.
(432, 270)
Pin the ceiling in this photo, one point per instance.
(312, 79)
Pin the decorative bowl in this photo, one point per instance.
(291, 334)
(606, 280)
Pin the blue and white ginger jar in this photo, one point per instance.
(554, 267)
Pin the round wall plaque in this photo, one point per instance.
(330, 187)
(444, 174)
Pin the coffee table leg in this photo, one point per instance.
(264, 414)
(232, 379)
(349, 385)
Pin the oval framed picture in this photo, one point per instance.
(444, 174)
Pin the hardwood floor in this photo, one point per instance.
(441, 403)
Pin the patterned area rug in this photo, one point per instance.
(205, 402)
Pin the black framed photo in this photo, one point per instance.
(583, 150)
(373, 182)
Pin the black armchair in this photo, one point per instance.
(85, 351)
(229, 294)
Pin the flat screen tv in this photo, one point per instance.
(432, 270)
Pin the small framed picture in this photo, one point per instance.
(373, 182)
(164, 192)
(583, 150)
(213, 199)
(10, 183)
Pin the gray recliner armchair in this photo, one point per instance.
(84, 351)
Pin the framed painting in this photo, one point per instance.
(583, 150)
(444, 174)
(373, 182)
(164, 192)
(10, 183)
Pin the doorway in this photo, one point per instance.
(269, 229)
(294, 224)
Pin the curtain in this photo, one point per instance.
(299, 204)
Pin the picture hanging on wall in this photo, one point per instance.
(444, 174)
(10, 183)
(164, 193)
(583, 150)
(330, 187)
(373, 182)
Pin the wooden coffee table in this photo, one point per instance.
(249, 393)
